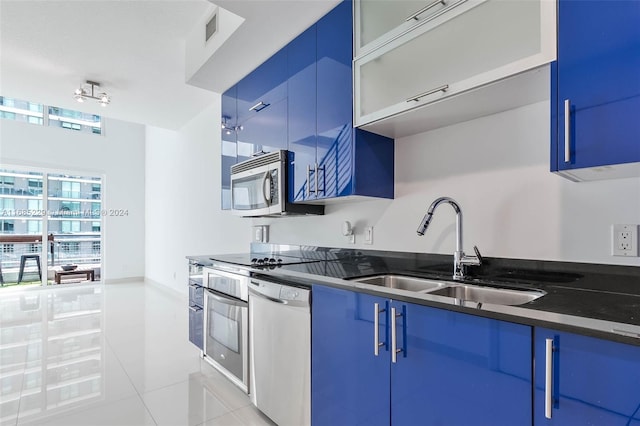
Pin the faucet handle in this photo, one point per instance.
(478, 255)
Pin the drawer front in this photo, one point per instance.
(196, 326)
(196, 295)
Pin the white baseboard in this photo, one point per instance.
(123, 280)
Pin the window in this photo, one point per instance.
(70, 206)
(34, 206)
(6, 226)
(7, 248)
(7, 180)
(70, 189)
(34, 248)
(75, 120)
(69, 226)
(19, 110)
(8, 205)
(95, 226)
(34, 227)
(96, 247)
(35, 186)
(95, 191)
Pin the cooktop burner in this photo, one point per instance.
(256, 260)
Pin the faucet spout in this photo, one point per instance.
(460, 260)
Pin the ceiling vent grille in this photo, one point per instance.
(211, 27)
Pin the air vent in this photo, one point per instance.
(263, 160)
(211, 27)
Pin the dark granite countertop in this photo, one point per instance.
(591, 299)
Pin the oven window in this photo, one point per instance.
(224, 330)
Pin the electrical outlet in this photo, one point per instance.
(624, 240)
(368, 235)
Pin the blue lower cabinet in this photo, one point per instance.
(450, 368)
(459, 369)
(594, 381)
(196, 318)
(196, 314)
(349, 384)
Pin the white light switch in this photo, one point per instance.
(368, 235)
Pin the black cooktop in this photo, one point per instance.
(258, 260)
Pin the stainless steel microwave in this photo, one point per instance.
(259, 187)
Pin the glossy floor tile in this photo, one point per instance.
(110, 355)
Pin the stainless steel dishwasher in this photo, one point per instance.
(280, 351)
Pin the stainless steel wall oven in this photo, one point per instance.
(226, 324)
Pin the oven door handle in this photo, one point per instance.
(226, 300)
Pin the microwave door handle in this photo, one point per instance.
(266, 190)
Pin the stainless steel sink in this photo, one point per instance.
(403, 282)
(497, 296)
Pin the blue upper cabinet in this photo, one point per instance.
(593, 381)
(262, 108)
(451, 368)
(302, 113)
(339, 161)
(229, 143)
(595, 95)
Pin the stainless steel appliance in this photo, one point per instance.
(226, 324)
(280, 351)
(259, 188)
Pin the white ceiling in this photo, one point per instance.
(136, 50)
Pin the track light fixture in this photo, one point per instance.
(90, 90)
(227, 128)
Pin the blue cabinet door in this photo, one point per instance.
(598, 73)
(229, 142)
(335, 102)
(349, 384)
(594, 381)
(302, 114)
(262, 108)
(459, 369)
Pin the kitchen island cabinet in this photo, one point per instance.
(595, 90)
(451, 368)
(593, 381)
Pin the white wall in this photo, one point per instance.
(118, 156)
(497, 168)
(183, 214)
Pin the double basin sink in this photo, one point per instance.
(460, 293)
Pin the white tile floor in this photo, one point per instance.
(114, 354)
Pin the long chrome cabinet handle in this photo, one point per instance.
(394, 338)
(548, 378)
(318, 168)
(309, 191)
(376, 328)
(258, 107)
(417, 97)
(424, 9)
(567, 130)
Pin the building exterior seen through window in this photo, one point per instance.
(70, 204)
(34, 113)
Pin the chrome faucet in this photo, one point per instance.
(460, 260)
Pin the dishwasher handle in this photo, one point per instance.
(279, 293)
